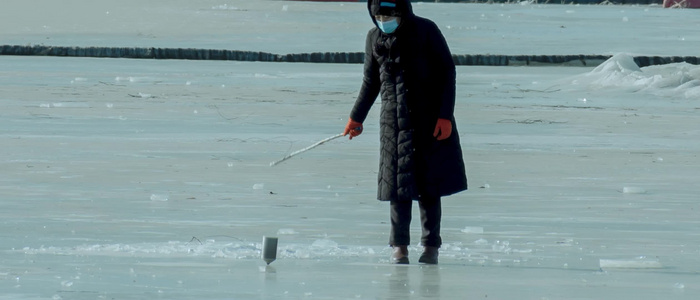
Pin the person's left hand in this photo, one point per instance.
(443, 129)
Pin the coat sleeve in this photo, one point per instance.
(443, 58)
(370, 82)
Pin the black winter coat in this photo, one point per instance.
(413, 71)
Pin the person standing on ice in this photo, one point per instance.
(408, 63)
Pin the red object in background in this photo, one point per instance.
(682, 3)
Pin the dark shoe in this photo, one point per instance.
(429, 256)
(400, 255)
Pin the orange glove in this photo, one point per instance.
(353, 128)
(443, 129)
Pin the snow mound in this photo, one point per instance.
(620, 71)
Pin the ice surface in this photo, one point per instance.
(283, 27)
(86, 158)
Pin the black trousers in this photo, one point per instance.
(430, 217)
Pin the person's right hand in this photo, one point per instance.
(353, 128)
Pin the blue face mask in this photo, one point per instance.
(388, 26)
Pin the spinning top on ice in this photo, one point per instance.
(269, 249)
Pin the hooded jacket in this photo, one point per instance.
(413, 72)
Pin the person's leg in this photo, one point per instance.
(431, 216)
(400, 236)
(400, 223)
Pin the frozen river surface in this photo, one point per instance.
(144, 179)
(284, 27)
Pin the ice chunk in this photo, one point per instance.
(640, 263)
(324, 243)
(219, 254)
(129, 79)
(481, 242)
(501, 246)
(286, 231)
(258, 186)
(159, 197)
(267, 269)
(633, 190)
(477, 230)
(621, 71)
(619, 63)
